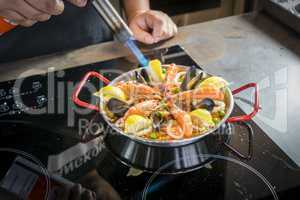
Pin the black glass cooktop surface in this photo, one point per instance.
(37, 116)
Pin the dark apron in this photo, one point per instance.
(75, 28)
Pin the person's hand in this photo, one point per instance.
(28, 12)
(75, 193)
(152, 26)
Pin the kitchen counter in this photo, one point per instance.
(207, 42)
(246, 48)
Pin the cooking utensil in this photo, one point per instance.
(119, 28)
(112, 18)
(151, 155)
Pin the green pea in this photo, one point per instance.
(153, 135)
(159, 114)
(222, 113)
(176, 90)
(216, 120)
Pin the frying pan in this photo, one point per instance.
(150, 155)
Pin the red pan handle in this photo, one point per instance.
(255, 105)
(79, 87)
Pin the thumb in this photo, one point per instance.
(142, 35)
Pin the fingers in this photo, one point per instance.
(28, 23)
(12, 16)
(175, 28)
(79, 3)
(43, 17)
(50, 7)
(141, 34)
(152, 26)
(17, 19)
(22, 13)
(28, 12)
(158, 25)
(163, 27)
(31, 14)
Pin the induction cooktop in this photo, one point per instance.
(37, 116)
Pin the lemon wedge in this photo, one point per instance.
(156, 70)
(110, 91)
(216, 81)
(203, 115)
(137, 125)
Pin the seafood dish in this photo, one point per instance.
(165, 102)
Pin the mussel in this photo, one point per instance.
(206, 103)
(192, 79)
(195, 81)
(157, 121)
(191, 72)
(142, 76)
(117, 107)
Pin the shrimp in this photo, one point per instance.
(184, 126)
(171, 73)
(184, 99)
(201, 93)
(138, 91)
(170, 83)
(144, 108)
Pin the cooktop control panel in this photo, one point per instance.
(23, 95)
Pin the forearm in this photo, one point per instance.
(134, 7)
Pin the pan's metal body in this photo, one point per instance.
(176, 155)
(177, 158)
